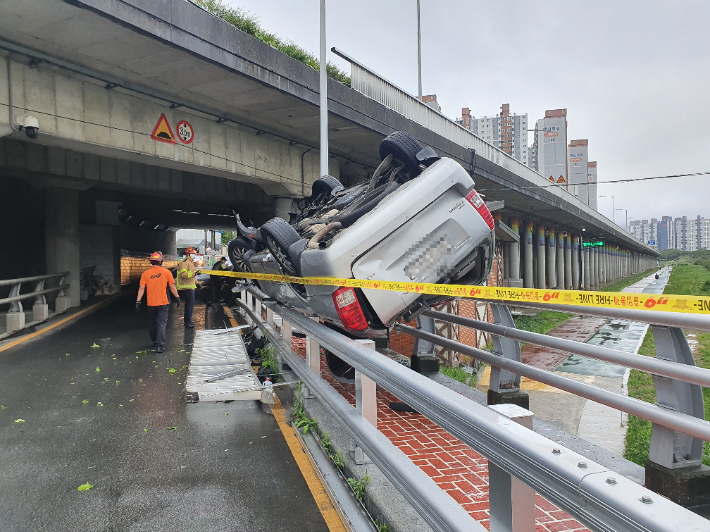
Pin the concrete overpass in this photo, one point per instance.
(99, 75)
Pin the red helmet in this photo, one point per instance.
(156, 256)
(190, 251)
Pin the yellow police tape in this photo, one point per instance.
(666, 303)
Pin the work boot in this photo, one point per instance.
(189, 325)
(160, 349)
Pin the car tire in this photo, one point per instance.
(364, 205)
(236, 250)
(278, 236)
(326, 183)
(404, 148)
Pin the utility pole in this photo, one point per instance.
(419, 47)
(323, 96)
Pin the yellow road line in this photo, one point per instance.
(230, 316)
(530, 385)
(325, 505)
(84, 312)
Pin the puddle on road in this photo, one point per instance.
(621, 335)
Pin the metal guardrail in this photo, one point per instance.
(679, 426)
(15, 317)
(600, 499)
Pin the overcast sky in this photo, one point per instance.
(634, 75)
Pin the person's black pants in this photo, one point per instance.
(188, 299)
(158, 317)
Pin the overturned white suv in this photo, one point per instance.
(418, 219)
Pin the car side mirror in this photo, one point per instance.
(427, 156)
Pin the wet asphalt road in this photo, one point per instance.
(104, 415)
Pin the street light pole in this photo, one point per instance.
(613, 209)
(626, 224)
(419, 48)
(323, 96)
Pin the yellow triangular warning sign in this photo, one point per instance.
(162, 131)
(561, 179)
(552, 179)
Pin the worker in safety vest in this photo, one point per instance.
(156, 282)
(186, 284)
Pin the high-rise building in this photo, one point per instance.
(679, 233)
(578, 171)
(549, 150)
(592, 183)
(507, 131)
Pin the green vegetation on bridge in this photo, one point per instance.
(686, 279)
(249, 24)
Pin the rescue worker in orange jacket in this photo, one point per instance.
(186, 284)
(155, 282)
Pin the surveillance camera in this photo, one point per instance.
(30, 125)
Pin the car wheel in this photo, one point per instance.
(236, 250)
(326, 183)
(364, 205)
(279, 236)
(404, 148)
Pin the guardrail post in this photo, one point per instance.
(270, 318)
(424, 359)
(365, 404)
(674, 467)
(40, 309)
(257, 307)
(512, 503)
(312, 358)
(15, 317)
(505, 385)
(62, 302)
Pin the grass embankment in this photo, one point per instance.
(627, 281)
(693, 279)
(249, 24)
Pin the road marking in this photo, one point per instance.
(230, 316)
(530, 385)
(325, 505)
(87, 310)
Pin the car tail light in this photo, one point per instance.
(349, 310)
(478, 204)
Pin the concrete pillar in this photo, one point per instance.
(585, 269)
(594, 267)
(514, 248)
(528, 279)
(575, 262)
(282, 207)
(560, 267)
(541, 270)
(551, 262)
(568, 262)
(61, 236)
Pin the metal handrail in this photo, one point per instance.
(11, 282)
(673, 370)
(563, 477)
(30, 295)
(432, 503)
(662, 416)
(698, 322)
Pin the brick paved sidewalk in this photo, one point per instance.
(454, 466)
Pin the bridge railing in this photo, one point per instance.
(521, 461)
(15, 316)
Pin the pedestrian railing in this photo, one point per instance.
(521, 462)
(15, 317)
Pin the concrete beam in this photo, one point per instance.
(85, 117)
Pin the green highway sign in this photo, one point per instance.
(592, 244)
